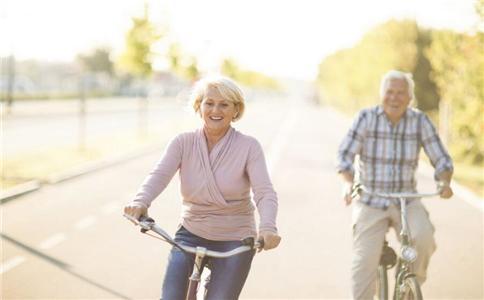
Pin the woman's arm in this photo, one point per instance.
(157, 180)
(265, 197)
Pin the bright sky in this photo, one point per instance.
(278, 37)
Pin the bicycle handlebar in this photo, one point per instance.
(147, 223)
(395, 195)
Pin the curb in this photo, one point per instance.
(34, 185)
(97, 165)
(19, 189)
(459, 190)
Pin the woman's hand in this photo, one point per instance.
(271, 239)
(135, 210)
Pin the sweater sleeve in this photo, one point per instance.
(162, 173)
(265, 197)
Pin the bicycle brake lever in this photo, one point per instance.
(144, 222)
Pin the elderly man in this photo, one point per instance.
(388, 138)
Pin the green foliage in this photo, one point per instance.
(182, 64)
(350, 78)
(445, 65)
(249, 78)
(480, 9)
(97, 61)
(458, 63)
(137, 57)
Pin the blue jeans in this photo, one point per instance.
(227, 277)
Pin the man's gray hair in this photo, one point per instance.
(394, 74)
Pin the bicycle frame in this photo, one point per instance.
(148, 224)
(407, 253)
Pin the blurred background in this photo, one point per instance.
(102, 86)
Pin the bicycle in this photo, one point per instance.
(201, 254)
(406, 284)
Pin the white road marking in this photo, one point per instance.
(111, 207)
(86, 222)
(281, 139)
(11, 263)
(52, 241)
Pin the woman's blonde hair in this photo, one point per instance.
(227, 88)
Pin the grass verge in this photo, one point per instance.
(470, 176)
(41, 165)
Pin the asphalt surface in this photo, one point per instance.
(69, 240)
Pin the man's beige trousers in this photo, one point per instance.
(369, 228)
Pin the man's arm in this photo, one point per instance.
(348, 149)
(439, 157)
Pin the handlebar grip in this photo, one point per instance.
(146, 219)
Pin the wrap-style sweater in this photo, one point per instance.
(215, 187)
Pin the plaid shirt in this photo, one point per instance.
(388, 155)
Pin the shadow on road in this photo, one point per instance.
(61, 265)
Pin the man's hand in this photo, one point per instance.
(271, 239)
(347, 178)
(443, 185)
(445, 190)
(347, 191)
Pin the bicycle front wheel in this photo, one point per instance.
(411, 289)
(382, 283)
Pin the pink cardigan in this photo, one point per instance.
(216, 187)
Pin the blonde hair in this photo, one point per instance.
(227, 88)
(394, 74)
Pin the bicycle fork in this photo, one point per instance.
(196, 273)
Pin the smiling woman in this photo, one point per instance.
(218, 167)
(219, 102)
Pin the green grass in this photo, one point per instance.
(471, 176)
(41, 165)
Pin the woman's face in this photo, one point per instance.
(217, 113)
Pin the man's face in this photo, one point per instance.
(396, 99)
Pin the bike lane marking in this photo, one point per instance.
(52, 241)
(111, 207)
(85, 222)
(11, 263)
(280, 140)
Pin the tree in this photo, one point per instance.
(350, 77)
(182, 64)
(247, 77)
(457, 62)
(138, 56)
(99, 60)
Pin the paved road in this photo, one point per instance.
(69, 241)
